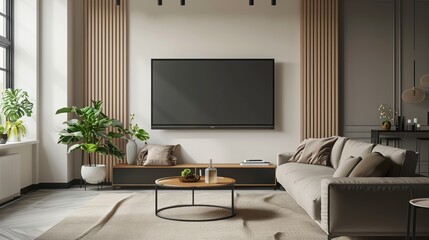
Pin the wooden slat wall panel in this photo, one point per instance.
(105, 64)
(319, 68)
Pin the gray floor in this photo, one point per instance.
(36, 212)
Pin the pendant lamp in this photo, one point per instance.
(424, 81)
(414, 95)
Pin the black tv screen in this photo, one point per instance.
(212, 93)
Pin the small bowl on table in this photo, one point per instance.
(190, 178)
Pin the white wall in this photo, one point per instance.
(55, 91)
(219, 29)
(26, 77)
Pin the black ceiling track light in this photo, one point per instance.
(118, 2)
(183, 2)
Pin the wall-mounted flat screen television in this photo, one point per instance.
(212, 93)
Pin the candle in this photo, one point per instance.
(409, 121)
(415, 120)
(418, 126)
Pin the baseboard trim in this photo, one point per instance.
(58, 185)
(30, 188)
(34, 187)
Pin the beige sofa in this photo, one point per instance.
(357, 206)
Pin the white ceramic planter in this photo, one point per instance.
(93, 174)
(131, 152)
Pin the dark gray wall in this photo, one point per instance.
(367, 58)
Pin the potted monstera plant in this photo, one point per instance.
(93, 133)
(15, 105)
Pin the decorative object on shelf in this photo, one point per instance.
(400, 123)
(3, 138)
(15, 105)
(187, 176)
(414, 95)
(92, 132)
(409, 125)
(131, 147)
(387, 114)
(254, 162)
(211, 173)
(386, 125)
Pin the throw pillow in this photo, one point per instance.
(346, 166)
(372, 165)
(158, 155)
(142, 157)
(317, 151)
(298, 151)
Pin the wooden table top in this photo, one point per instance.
(176, 183)
(196, 165)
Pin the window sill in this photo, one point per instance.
(18, 144)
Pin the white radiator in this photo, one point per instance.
(10, 176)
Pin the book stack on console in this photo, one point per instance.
(254, 162)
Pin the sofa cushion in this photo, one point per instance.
(295, 177)
(356, 148)
(347, 166)
(399, 167)
(307, 193)
(336, 151)
(298, 152)
(372, 165)
(317, 151)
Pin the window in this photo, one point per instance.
(6, 46)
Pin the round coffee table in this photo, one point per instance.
(175, 183)
(413, 204)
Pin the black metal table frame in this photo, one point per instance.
(232, 208)
(411, 217)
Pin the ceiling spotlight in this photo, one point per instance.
(273, 2)
(182, 2)
(159, 2)
(118, 2)
(251, 2)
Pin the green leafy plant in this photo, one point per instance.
(17, 128)
(135, 131)
(186, 172)
(1, 129)
(15, 105)
(92, 131)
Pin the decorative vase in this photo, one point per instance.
(211, 174)
(386, 125)
(14, 138)
(94, 174)
(131, 152)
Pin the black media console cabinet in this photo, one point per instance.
(249, 176)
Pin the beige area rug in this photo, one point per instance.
(260, 215)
